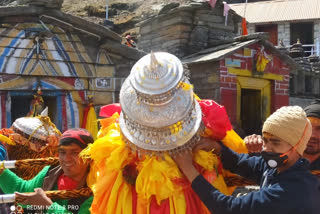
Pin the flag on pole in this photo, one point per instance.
(244, 27)
(244, 22)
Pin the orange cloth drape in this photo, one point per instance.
(244, 27)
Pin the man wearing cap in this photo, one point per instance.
(286, 185)
(71, 173)
(312, 152)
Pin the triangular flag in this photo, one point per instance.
(244, 27)
(212, 3)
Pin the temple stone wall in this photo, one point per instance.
(188, 29)
(205, 78)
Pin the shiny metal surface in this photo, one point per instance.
(158, 113)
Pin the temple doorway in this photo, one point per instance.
(251, 111)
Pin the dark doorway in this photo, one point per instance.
(304, 32)
(20, 106)
(251, 118)
(308, 84)
(272, 30)
(51, 102)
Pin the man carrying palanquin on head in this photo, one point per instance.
(160, 116)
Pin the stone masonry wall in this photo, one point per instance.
(205, 79)
(167, 33)
(186, 30)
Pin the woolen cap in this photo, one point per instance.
(313, 110)
(290, 123)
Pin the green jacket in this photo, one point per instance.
(10, 183)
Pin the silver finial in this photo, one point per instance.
(153, 63)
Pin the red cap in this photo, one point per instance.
(79, 136)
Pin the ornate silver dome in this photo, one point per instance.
(159, 112)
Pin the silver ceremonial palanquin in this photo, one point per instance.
(159, 113)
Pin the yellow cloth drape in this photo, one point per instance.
(156, 176)
(92, 122)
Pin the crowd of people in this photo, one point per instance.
(282, 160)
(281, 171)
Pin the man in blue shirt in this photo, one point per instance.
(286, 185)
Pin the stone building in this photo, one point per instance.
(248, 75)
(288, 22)
(305, 84)
(186, 29)
(68, 57)
(285, 21)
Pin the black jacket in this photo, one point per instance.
(293, 191)
(315, 165)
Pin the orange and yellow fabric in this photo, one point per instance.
(124, 182)
(262, 60)
(90, 121)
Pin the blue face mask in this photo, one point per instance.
(274, 160)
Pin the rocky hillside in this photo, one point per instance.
(125, 14)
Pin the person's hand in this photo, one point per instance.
(207, 144)
(184, 162)
(38, 197)
(254, 143)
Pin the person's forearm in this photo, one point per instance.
(215, 201)
(17, 184)
(203, 188)
(9, 182)
(242, 164)
(191, 173)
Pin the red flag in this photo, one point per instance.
(244, 27)
(109, 110)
